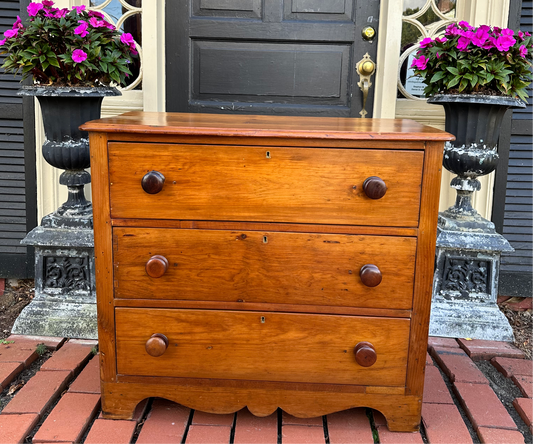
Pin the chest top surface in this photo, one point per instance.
(340, 128)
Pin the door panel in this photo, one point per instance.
(268, 57)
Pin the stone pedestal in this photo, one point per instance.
(465, 286)
(65, 296)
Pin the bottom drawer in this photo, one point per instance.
(284, 347)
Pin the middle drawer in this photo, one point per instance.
(264, 267)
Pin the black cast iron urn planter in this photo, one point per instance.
(475, 121)
(64, 109)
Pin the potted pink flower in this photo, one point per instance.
(477, 74)
(74, 57)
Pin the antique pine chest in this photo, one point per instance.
(264, 262)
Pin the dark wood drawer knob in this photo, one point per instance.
(365, 354)
(370, 275)
(374, 187)
(156, 345)
(153, 182)
(156, 266)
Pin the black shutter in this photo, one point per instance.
(513, 201)
(17, 166)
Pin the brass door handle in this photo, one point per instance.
(365, 68)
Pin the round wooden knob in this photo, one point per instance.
(370, 275)
(365, 354)
(156, 345)
(374, 187)
(152, 182)
(156, 266)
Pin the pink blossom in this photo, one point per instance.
(96, 14)
(521, 35)
(61, 13)
(95, 23)
(508, 32)
(489, 43)
(48, 3)
(18, 23)
(79, 56)
(127, 39)
(426, 42)
(79, 8)
(441, 39)
(11, 33)
(465, 25)
(81, 30)
(452, 29)
(527, 34)
(480, 36)
(109, 25)
(438, 55)
(523, 51)
(504, 42)
(420, 63)
(462, 44)
(2, 42)
(34, 8)
(497, 31)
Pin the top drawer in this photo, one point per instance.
(265, 184)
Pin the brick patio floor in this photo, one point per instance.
(463, 403)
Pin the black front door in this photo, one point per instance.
(294, 57)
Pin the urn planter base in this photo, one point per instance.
(465, 286)
(65, 299)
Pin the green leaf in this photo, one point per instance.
(454, 82)
(453, 70)
(53, 61)
(114, 75)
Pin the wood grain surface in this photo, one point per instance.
(268, 267)
(245, 184)
(231, 125)
(262, 346)
(301, 400)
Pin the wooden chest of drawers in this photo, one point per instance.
(264, 262)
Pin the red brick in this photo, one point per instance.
(443, 424)
(2, 286)
(69, 419)
(69, 357)
(38, 393)
(429, 361)
(498, 436)
(510, 366)
(88, 380)
(52, 343)
(15, 428)
(524, 407)
(483, 407)
(435, 390)
(203, 434)
(301, 434)
(250, 429)
(350, 427)
(8, 372)
(525, 384)
(524, 304)
(479, 349)
(111, 432)
(85, 342)
(20, 351)
(287, 419)
(435, 341)
(387, 437)
(202, 418)
(166, 423)
(458, 366)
